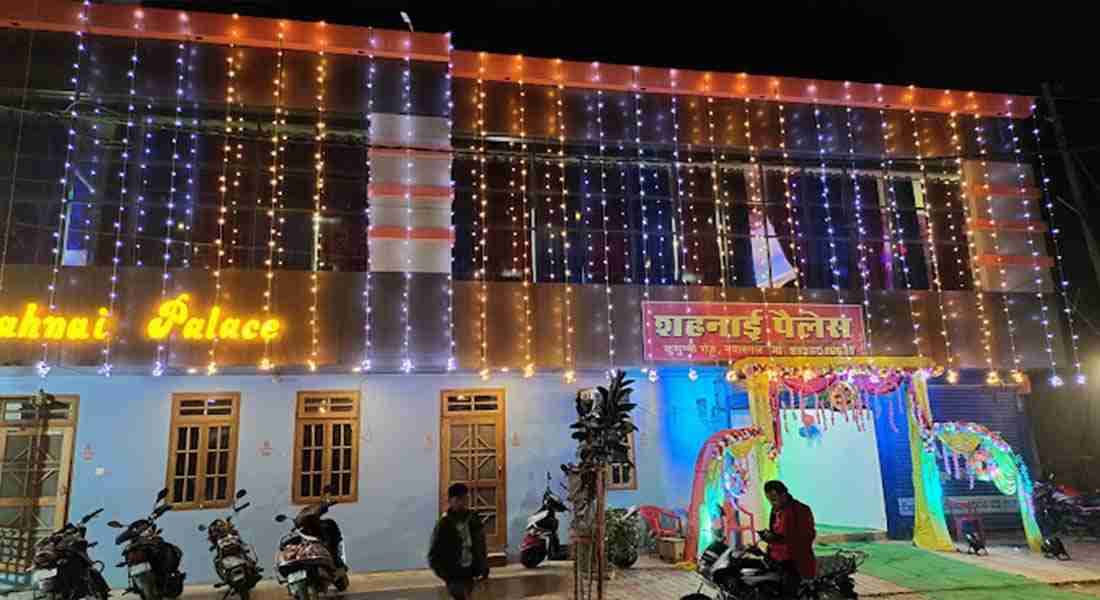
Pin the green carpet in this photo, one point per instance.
(942, 578)
(838, 530)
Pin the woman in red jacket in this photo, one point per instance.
(790, 536)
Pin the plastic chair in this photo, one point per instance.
(963, 513)
(742, 521)
(662, 523)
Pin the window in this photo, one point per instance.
(623, 474)
(202, 456)
(326, 446)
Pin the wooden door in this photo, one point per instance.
(472, 444)
(36, 455)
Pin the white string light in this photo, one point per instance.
(898, 241)
(452, 360)
(237, 161)
(317, 261)
(605, 231)
(406, 350)
(861, 241)
(569, 360)
(278, 141)
(123, 179)
(757, 200)
(228, 153)
(679, 246)
(834, 265)
(992, 377)
(937, 281)
(987, 186)
(190, 162)
(365, 362)
(788, 199)
(170, 222)
(641, 186)
(1063, 281)
(528, 227)
(482, 204)
(720, 234)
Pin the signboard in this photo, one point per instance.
(721, 331)
(986, 505)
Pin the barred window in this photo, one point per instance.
(326, 446)
(202, 450)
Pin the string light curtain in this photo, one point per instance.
(481, 225)
(278, 148)
(365, 362)
(317, 262)
(569, 359)
(228, 155)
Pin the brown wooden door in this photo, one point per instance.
(36, 456)
(472, 452)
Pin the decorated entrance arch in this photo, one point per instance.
(984, 456)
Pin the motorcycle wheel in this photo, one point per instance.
(341, 583)
(146, 585)
(533, 556)
(304, 591)
(99, 588)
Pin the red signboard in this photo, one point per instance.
(721, 331)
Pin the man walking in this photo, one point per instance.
(457, 554)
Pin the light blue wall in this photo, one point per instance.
(124, 420)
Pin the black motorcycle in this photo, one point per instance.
(62, 568)
(541, 541)
(311, 556)
(153, 564)
(234, 560)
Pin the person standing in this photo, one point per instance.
(457, 552)
(790, 537)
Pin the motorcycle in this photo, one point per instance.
(541, 541)
(62, 569)
(311, 556)
(152, 563)
(1062, 511)
(234, 561)
(750, 573)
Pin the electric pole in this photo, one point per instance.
(1074, 184)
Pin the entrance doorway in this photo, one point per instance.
(472, 451)
(36, 456)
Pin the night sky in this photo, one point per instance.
(967, 45)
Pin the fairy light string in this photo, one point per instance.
(823, 177)
(975, 268)
(788, 199)
(191, 160)
(406, 342)
(678, 242)
(528, 228)
(317, 262)
(1063, 282)
(638, 118)
(994, 238)
(605, 229)
(452, 360)
(1033, 250)
(922, 185)
(236, 65)
(898, 234)
(123, 198)
(173, 183)
(757, 200)
(228, 154)
(365, 363)
(861, 242)
(482, 201)
(569, 360)
(278, 141)
(720, 238)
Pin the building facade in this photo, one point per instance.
(252, 254)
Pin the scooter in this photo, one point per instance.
(152, 563)
(62, 568)
(751, 573)
(541, 541)
(234, 561)
(311, 556)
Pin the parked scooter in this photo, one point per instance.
(541, 541)
(152, 563)
(749, 573)
(311, 556)
(234, 560)
(62, 568)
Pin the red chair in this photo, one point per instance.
(963, 513)
(661, 522)
(743, 521)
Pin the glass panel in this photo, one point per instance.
(12, 484)
(16, 447)
(190, 493)
(223, 463)
(192, 463)
(303, 486)
(313, 405)
(208, 491)
(460, 436)
(345, 481)
(177, 489)
(487, 468)
(223, 488)
(317, 460)
(49, 484)
(190, 408)
(336, 455)
(342, 405)
(347, 457)
(193, 434)
(181, 438)
(486, 436)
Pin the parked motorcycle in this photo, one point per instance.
(311, 556)
(749, 573)
(151, 562)
(234, 560)
(541, 541)
(1062, 512)
(62, 569)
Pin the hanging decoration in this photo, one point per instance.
(481, 242)
(897, 243)
(569, 360)
(861, 229)
(605, 230)
(643, 201)
(278, 148)
(810, 431)
(679, 245)
(223, 195)
(237, 161)
(365, 363)
(834, 265)
(317, 262)
(192, 149)
(921, 187)
(793, 234)
(528, 227)
(1063, 282)
(974, 268)
(410, 141)
(449, 316)
(994, 238)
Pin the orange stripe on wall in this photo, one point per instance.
(418, 192)
(417, 233)
(995, 260)
(507, 67)
(1007, 225)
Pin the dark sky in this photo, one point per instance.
(963, 44)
